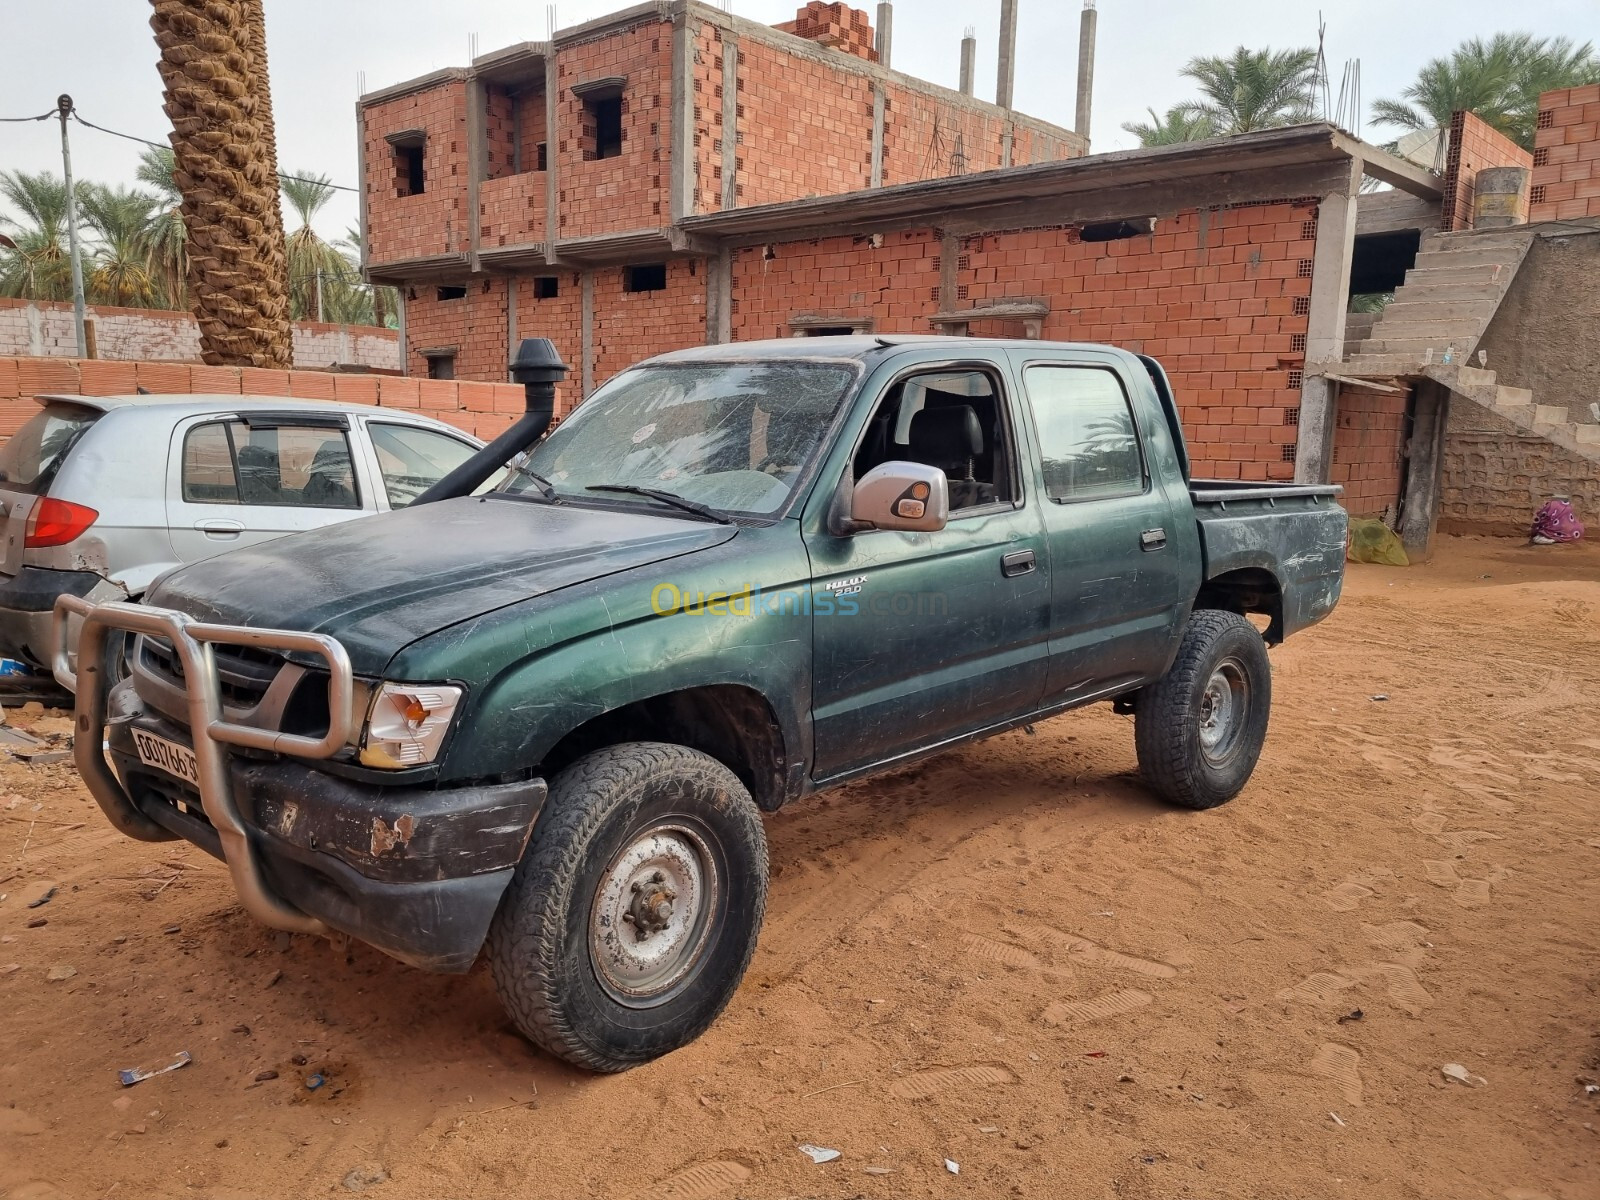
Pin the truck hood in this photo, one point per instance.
(379, 583)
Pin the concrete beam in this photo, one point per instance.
(885, 42)
(1330, 298)
(730, 121)
(1392, 211)
(1392, 169)
(1005, 83)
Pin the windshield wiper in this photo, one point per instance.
(546, 488)
(694, 506)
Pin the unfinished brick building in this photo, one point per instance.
(673, 175)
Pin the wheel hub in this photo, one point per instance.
(650, 917)
(1224, 707)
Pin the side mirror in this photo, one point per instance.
(906, 496)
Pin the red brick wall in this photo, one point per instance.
(630, 191)
(561, 320)
(484, 409)
(837, 26)
(1213, 295)
(1474, 145)
(1368, 445)
(402, 227)
(921, 129)
(475, 326)
(1566, 156)
(630, 326)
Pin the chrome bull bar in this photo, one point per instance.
(212, 735)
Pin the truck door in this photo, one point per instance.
(241, 479)
(1119, 539)
(920, 638)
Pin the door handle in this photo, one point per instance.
(1018, 562)
(1153, 539)
(220, 529)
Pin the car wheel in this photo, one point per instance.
(634, 912)
(1199, 730)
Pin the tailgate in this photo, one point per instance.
(29, 461)
(15, 508)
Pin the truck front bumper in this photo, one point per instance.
(416, 872)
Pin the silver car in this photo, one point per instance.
(101, 494)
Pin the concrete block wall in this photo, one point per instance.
(403, 227)
(1474, 146)
(482, 409)
(1369, 444)
(46, 328)
(630, 191)
(1566, 156)
(1496, 477)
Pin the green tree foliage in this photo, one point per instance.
(1181, 124)
(1499, 80)
(1254, 89)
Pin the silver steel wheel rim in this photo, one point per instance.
(651, 915)
(1224, 709)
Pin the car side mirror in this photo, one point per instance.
(905, 496)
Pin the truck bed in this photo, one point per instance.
(1295, 532)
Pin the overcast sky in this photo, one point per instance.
(101, 52)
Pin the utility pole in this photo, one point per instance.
(64, 109)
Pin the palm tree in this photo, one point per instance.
(384, 301)
(1499, 80)
(1181, 124)
(316, 269)
(39, 268)
(1254, 89)
(121, 271)
(169, 255)
(213, 72)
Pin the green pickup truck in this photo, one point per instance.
(545, 718)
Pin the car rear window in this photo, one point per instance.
(30, 460)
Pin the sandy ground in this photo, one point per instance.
(1009, 957)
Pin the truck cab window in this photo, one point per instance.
(1087, 437)
(951, 420)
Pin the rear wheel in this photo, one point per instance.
(1200, 729)
(633, 915)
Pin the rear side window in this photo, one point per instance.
(284, 466)
(1087, 436)
(30, 460)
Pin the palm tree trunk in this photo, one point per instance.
(213, 68)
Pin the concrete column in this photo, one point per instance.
(361, 179)
(1419, 509)
(1008, 143)
(400, 320)
(552, 130)
(878, 115)
(682, 117)
(719, 298)
(1330, 296)
(1005, 83)
(949, 267)
(511, 315)
(969, 61)
(477, 163)
(730, 121)
(586, 333)
(885, 32)
(1086, 32)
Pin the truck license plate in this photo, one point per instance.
(167, 756)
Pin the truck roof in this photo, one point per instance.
(856, 346)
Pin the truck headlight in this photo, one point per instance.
(407, 723)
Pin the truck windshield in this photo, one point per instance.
(30, 460)
(731, 436)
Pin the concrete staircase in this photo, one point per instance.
(1448, 299)
(1516, 405)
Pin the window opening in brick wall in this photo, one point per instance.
(541, 157)
(828, 331)
(441, 366)
(410, 175)
(1116, 231)
(650, 277)
(546, 287)
(453, 292)
(602, 117)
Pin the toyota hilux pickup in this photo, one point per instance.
(544, 721)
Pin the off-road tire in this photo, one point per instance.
(540, 941)
(1171, 713)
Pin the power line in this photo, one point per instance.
(163, 146)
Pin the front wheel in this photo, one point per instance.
(633, 915)
(1199, 730)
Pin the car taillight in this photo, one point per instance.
(56, 522)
